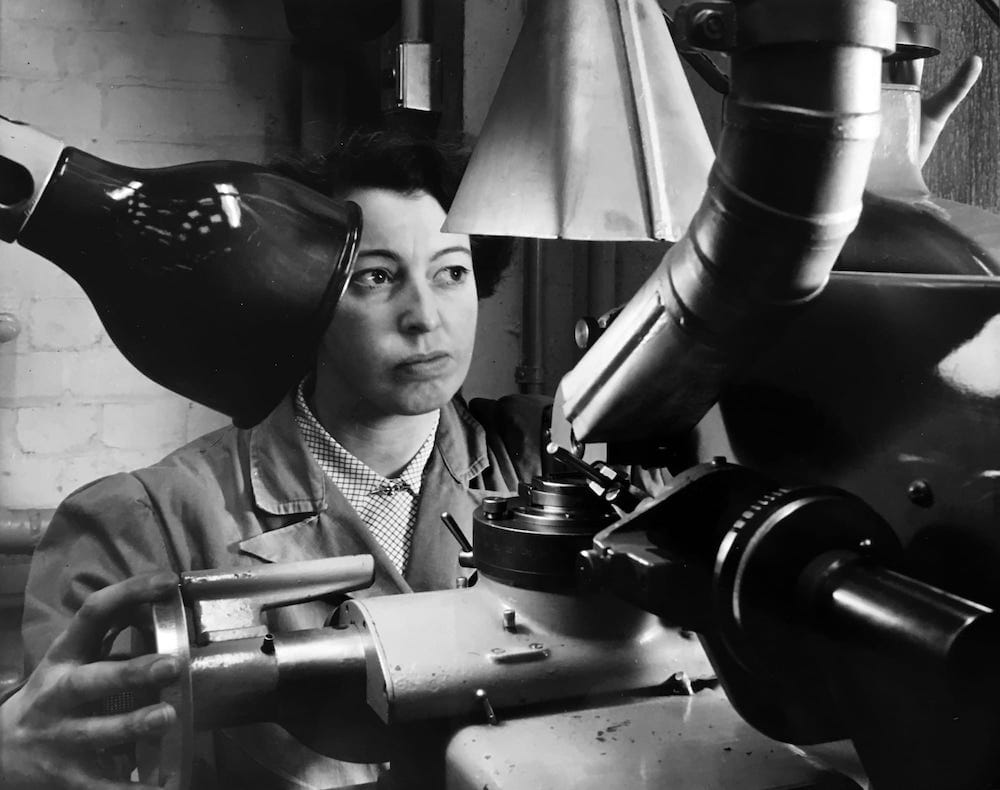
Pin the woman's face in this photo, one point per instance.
(401, 338)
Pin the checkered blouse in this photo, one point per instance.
(387, 506)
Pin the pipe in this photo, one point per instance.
(530, 372)
(226, 675)
(784, 194)
(415, 20)
(20, 530)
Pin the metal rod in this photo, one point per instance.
(574, 463)
(456, 531)
(529, 372)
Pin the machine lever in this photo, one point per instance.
(612, 486)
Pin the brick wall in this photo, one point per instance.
(145, 83)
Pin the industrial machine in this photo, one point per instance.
(572, 658)
(823, 579)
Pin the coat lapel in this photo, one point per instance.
(460, 456)
(304, 516)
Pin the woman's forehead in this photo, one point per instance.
(392, 219)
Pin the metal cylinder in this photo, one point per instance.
(529, 372)
(233, 682)
(246, 680)
(784, 194)
(921, 627)
(332, 654)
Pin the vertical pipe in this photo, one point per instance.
(529, 372)
(601, 295)
(415, 20)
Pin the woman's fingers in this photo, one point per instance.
(937, 109)
(103, 610)
(90, 683)
(100, 732)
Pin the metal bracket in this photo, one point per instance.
(710, 24)
(230, 604)
(414, 82)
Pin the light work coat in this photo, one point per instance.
(237, 498)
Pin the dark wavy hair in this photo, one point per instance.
(403, 163)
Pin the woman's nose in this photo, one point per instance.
(420, 309)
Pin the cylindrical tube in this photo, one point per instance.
(246, 680)
(233, 682)
(784, 194)
(530, 375)
(330, 654)
(874, 609)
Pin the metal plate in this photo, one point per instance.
(681, 743)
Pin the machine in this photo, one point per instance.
(572, 658)
(771, 594)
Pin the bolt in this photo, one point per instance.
(536, 645)
(920, 493)
(494, 507)
(267, 646)
(586, 332)
(461, 582)
(718, 460)
(491, 715)
(509, 620)
(710, 25)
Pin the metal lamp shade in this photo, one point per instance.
(593, 132)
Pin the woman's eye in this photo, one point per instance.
(372, 278)
(453, 275)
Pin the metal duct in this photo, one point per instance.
(593, 132)
(784, 193)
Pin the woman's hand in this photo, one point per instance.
(937, 109)
(50, 736)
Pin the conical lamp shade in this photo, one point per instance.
(593, 132)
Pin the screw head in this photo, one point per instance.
(710, 24)
(494, 507)
(920, 493)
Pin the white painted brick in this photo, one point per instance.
(59, 323)
(150, 112)
(151, 153)
(12, 306)
(9, 451)
(66, 108)
(202, 420)
(83, 469)
(32, 482)
(26, 273)
(51, 12)
(156, 58)
(194, 80)
(256, 20)
(136, 426)
(56, 429)
(46, 53)
(104, 374)
(34, 53)
(31, 378)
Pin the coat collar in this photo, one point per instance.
(286, 480)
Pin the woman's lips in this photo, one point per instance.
(426, 365)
